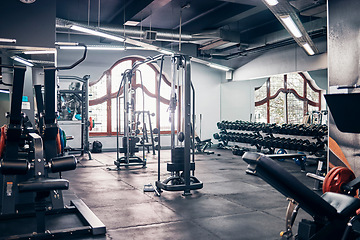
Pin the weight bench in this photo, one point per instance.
(202, 145)
(333, 213)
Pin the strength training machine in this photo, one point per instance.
(130, 138)
(182, 165)
(76, 101)
(30, 170)
(333, 213)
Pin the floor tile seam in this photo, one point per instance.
(241, 205)
(166, 222)
(146, 225)
(267, 213)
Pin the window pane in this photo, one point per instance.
(165, 117)
(311, 109)
(312, 95)
(98, 90)
(260, 93)
(98, 113)
(296, 82)
(277, 113)
(148, 77)
(260, 113)
(276, 82)
(165, 90)
(121, 115)
(116, 74)
(295, 109)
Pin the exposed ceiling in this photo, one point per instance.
(230, 32)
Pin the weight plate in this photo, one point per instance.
(336, 177)
(2, 140)
(297, 161)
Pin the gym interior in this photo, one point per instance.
(181, 119)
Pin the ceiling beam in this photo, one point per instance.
(202, 15)
(129, 10)
(243, 15)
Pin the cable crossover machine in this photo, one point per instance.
(130, 140)
(182, 165)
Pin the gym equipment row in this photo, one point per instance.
(269, 128)
(334, 214)
(30, 168)
(270, 142)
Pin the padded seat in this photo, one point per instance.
(330, 205)
(43, 185)
(345, 205)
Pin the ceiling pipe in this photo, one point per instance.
(261, 48)
(140, 33)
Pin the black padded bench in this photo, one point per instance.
(331, 211)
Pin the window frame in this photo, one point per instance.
(108, 96)
(286, 91)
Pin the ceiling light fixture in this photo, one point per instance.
(40, 52)
(106, 48)
(66, 43)
(308, 49)
(290, 24)
(7, 40)
(22, 60)
(167, 52)
(271, 2)
(96, 33)
(131, 23)
(4, 91)
(216, 66)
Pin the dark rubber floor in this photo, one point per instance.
(232, 204)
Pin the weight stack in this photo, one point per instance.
(177, 161)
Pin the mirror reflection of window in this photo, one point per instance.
(286, 99)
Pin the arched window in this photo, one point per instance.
(286, 99)
(102, 99)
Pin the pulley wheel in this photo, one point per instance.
(336, 177)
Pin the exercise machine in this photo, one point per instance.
(334, 214)
(130, 138)
(30, 171)
(75, 101)
(145, 142)
(182, 165)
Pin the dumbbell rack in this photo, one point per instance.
(262, 136)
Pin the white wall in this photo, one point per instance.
(237, 99)
(207, 82)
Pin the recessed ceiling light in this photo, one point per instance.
(272, 2)
(131, 23)
(27, 1)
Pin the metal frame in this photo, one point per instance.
(181, 179)
(83, 96)
(128, 159)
